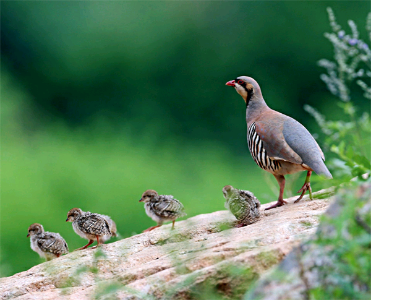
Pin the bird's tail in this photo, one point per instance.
(321, 169)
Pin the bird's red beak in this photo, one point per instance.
(231, 83)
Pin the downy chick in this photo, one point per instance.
(161, 208)
(242, 204)
(48, 245)
(91, 226)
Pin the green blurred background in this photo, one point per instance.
(103, 100)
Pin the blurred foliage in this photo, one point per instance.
(103, 100)
(350, 137)
(348, 274)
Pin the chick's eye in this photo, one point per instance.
(240, 81)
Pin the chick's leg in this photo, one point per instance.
(84, 247)
(151, 228)
(98, 242)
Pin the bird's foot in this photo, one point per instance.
(306, 187)
(151, 228)
(277, 204)
(238, 225)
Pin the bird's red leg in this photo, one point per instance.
(151, 228)
(58, 255)
(98, 242)
(84, 247)
(281, 181)
(306, 186)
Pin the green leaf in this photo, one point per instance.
(362, 160)
(358, 170)
(350, 152)
(341, 147)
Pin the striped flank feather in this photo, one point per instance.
(259, 153)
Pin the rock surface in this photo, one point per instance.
(335, 263)
(166, 264)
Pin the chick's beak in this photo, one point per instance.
(231, 83)
(28, 235)
(141, 200)
(66, 220)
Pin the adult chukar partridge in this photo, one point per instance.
(48, 245)
(278, 144)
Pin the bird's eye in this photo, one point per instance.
(240, 81)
